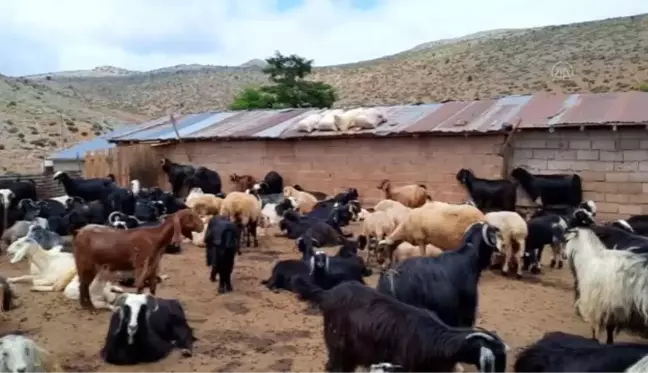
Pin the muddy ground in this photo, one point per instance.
(255, 330)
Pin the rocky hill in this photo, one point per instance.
(607, 55)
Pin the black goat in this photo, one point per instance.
(221, 246)
(617, 237)
(285, 272)
(489, 195)
(318, 195)
(329, 271)
(446, 285)
(119, 199)
(21, 189)
(88, 189)
(563, 352)
(177, 174)
(639, 224)
(338, 213)
(351, 194)
(547, 190)
(272, 184)
(363, 327)
(207, 180)
(145, 329)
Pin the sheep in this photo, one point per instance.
(272, 184)
(320, 196)
(437, 223)
(138, 249)
(19, 354)
(144, 329)
(375, 226)
(245, 210)
(204, 204)
(305, 201)
(363, 327)
(403, 251)
(547, 190)
(514, 234)
(412, 195)
(611, 288)
(7, 297)
(308, 123)
(563, 352)
(489, 195)
(222, 244)
(242, 182)
(446, 285)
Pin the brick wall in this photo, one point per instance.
(612, 165)
(45, 186)
(331, 165)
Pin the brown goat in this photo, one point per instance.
(242, 182)
(412, 195)
(98, 247)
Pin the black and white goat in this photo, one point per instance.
(446, 285)
(639, 224)
(272, 184)
(489, 195)
(221, 246)
(620, 236)
(330, 271)
(145, 329)
(563, 352)
(363, 327)
(611, 285)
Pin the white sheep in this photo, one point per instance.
(198, 238)
(204, 204)
(611, 285)
(406, 250)
(327, 121)
(440, 224)
(397, 210)
(308, 124)
(305, 201)
(242, 208)
(514, 233)
(375, 227)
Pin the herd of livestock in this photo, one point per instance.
(100, 237)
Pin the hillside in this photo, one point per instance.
(36, 120)
(608, 55)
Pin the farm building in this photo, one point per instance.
(73, 158)
(602, 137)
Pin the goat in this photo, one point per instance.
(144, 329)
(272, 184)
(285, 272)
(363, 327)
(563, 352)
(48, 270)
(88, 189)
(328, 272)
(547, 190)
(207, 180)
(221, 246)
(177, 174)
(639, 224)
(320, 196)
(20, 189)
(611, 287)
(446, 285)
(7, 297)
(243, 182)
(19, 354)
(489, 195)
(138, 249)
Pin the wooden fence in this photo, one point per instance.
(130, 162)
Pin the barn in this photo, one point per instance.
(602, 137)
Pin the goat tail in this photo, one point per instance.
(307, 290)
(422, 186)
(65, 279)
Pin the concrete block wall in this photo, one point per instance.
(45, 186)
(330, 165)
(612, 165)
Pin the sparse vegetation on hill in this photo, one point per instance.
(608, 55)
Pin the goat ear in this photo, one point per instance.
(177, 229)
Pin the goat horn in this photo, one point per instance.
(136, 219)
(114, 217)
(480, 334)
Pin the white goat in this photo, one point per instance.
(51, 266)
(611, 285)
(19, 354)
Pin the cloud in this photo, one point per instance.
(42, 35)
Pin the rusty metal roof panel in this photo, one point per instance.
(278, 130)
(247, 124)
(266, 126)
(136, 131)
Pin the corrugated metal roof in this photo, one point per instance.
(541, 110)
(78, 150)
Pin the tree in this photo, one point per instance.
(290, 88)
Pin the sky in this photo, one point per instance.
(39, 36)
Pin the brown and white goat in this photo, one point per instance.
(242, 182)
(97, 247)
(412, 195)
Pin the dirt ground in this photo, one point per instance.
(256, 330)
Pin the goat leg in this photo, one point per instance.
(42, 288)
(24, 278)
